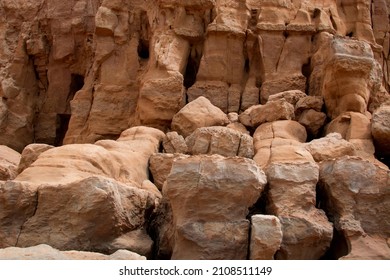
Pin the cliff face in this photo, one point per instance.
(277, 73)
(108, 65)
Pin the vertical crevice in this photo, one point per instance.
(339, 245)
(306, 71)
(36, 202)
(192, 67)
(63, 118)
(143, 43)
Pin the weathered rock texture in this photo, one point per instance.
(84, 196)
(107, 65)
(45, 252)
(266, 237)
(9, 160)
(210, 197)
(194, 90)
(358, 201)
(220, 140)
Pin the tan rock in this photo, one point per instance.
(122, 65)
(215, 91)
(112, 159)
(368, 247)
(233, 117)
(330, 147)
(220, 140)
(381, 130)
(160, 166)
(107, 200)
(9, 160)
(161, 97)
(307, 233)
(345, 72)
(377, 99)
(196, 114)
(118, 191)
(355, 128)
(174, 143)
(292, 176)
(272, 111)
(291, 96)
(30, 154)
(106, 21)
(195, 185)
(77, 72)
(226, 240)
(46, 252)
(357, 197)
(280, 140)
(266, 237)
(312, 120)
(309, 102)
(17, 204)
(238, 127)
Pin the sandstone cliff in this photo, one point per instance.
(196, 129)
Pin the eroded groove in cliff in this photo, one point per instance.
(63, 118)
(192, 67)
(338, 246)
(143, 44)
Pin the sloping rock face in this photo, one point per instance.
(112, 110)
(84, 197)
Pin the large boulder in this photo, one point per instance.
(307, 233)
(64, 215)
(125, 160)
(280, 140)
(210, 197)
(345, 73)
(196, 114)
(330, 147)
(271, 111)
(46, 252)
(356, 195)
(58, 198)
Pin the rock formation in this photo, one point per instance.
(155, 126)
(45, 252)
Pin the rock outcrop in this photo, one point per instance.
(357, 199)
(195, 129)
(220, 140)
(266, 237)
(210, 197)
(45, 252)
(96, 183)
